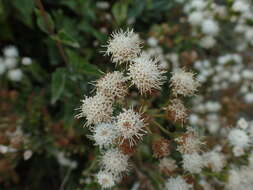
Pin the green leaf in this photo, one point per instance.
(58, 84)
(66, 39)
(119, 11)
(25, 9)
(81, 65)
(42, 23)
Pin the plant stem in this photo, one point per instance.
(51, 30)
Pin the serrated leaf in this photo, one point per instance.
(41, 21)
(65, 39)
(58, 84)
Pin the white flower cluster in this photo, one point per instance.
(112, 131)
(177, 183)
(109, 131)
(201, 15)
(239, 138)
(9, 63)
(228, 70)
(244, 14)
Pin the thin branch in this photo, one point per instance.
(51, 30)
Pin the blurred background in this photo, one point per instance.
(52, 49)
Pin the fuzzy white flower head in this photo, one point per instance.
(207, 42)
(152, 41)
(210, 27)
(238, 151)
(26, 61)
(27, 154)
(145, 74)
(242, 123)
(167, 165)
(177, 111)
(15, 75)
(238, 137)
(64, 161)
(183, 83)
(115, 162)
(112, 85)
(177, 183)
(96, 109)
(104, 134)
(105, 179)
(123, 46)
(130, 126)
(241, 6)
(234, 180)
(214, 160)
(193, 162)
(10, 62)
(196, 18)
(189, 142)
(10, 51)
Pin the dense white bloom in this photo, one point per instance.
(145, 74)
(249, 98)
(167, 165)
(15, 75)
(177, 183)
(123, 46)
(234, 180)
(238, 151)
(238, 137)
(189, 142)
(115, 162)
(26, 61)
(96, 109)
(64, 161)
(130, 126)
(102, 5)
(196, 18)
(6, 149)
(210, 27)
(10, 51)
(193, 162)
(104, 134)
(214, 160)
(152, 41)
(112, 85)
(241, 6)
(207, 42)
(10, 62)
(105, 179)
(242, 123)
(177, 111)
(183, 83)
(27, 154)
